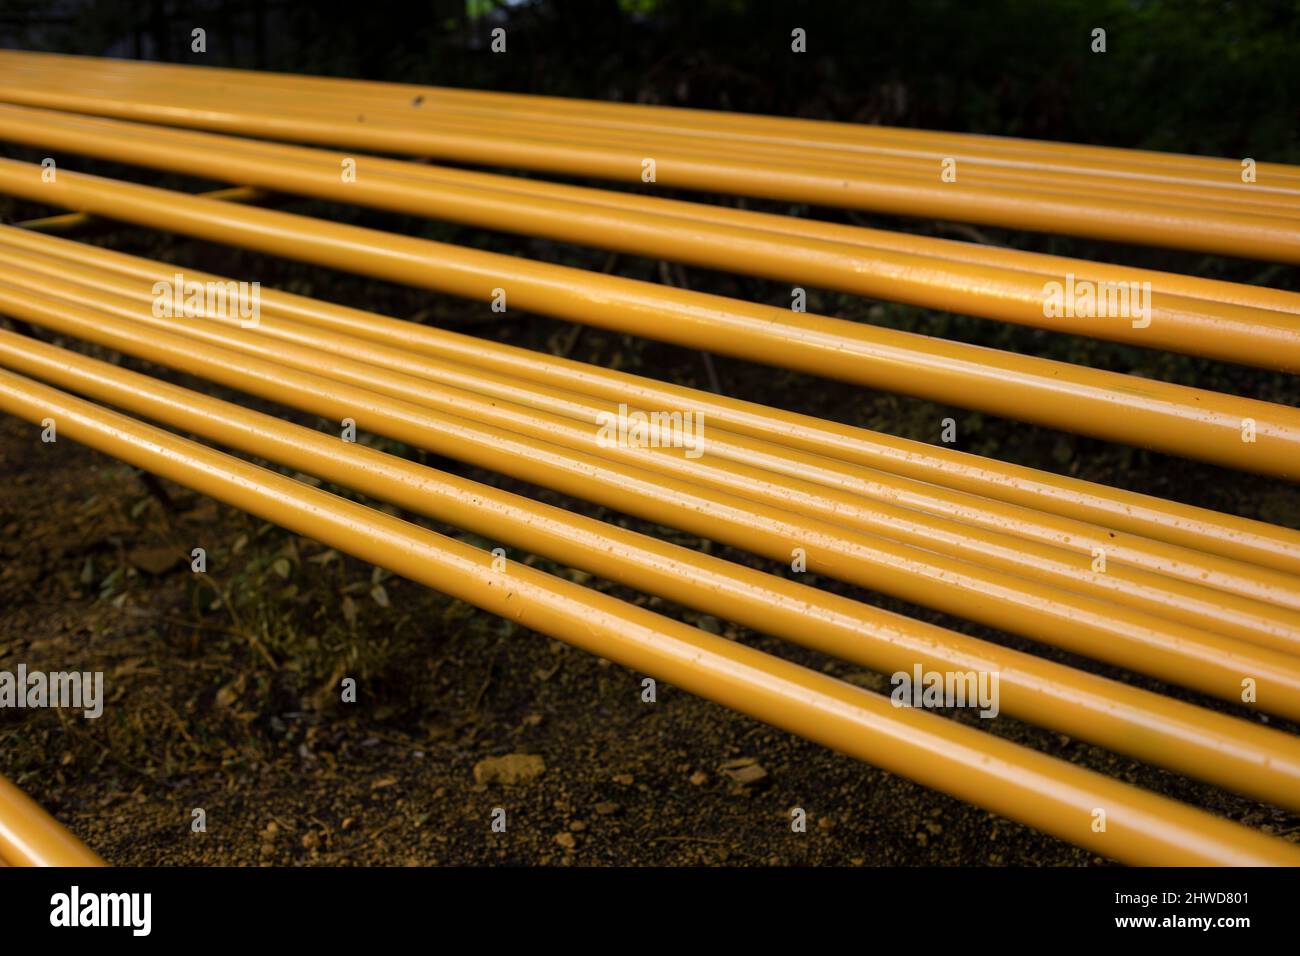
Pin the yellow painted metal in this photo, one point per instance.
(1227, 195)
(1172, 418)
(1127, 219)
(1231, 753)
(1175, 652)
(1048, 794)
(1216, 533)
(31, 837)
(72, 221)
(1055, 267)
(1223, 330)
(1274, 853)
(754, 469)
(735, 127)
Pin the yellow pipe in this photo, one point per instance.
(1216, 330)
(1248, 580)
(76, 281)
(1205, 533)
(31, 837)
(1224, 191)
(1268, 237)
(1050, 795)
(72, 221)
(1278, 189)
(1236, 754)
(1009, 152)
(1231, 753)
(1188, 656)
(1171, 418)
(786, 483)
(1203, 197)
(1046, 265)
(1227, 190)
(740, 127)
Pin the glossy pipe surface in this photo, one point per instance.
(1176, 419)
(1060, 210)
(757, 470)
(1232, 753)
(31, 837)
(1236, 333)
(1130, 639)
(1112, 512)
(1044, 793)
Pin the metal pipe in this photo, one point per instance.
(1206, 197)
(1157, 223)
(31, 837)
(1231, 753)
(1208, 534)
(1177, 419)
(1208, 662)
(758, 470)
(1047, 265)
(1224, 331)
(1268, 237)
(1048, 794)
(74, 221)
(738, 127)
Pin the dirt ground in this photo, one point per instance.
(223, 694)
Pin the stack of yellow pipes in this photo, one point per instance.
(1235, 207)
(1177, 419)
(1194, 598)
(1247, 324)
